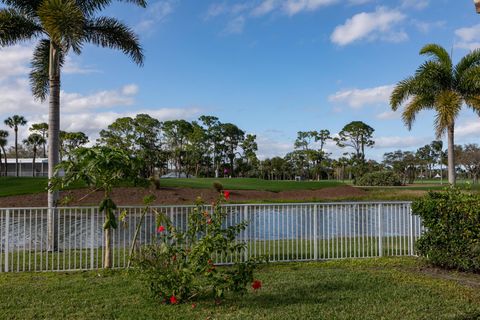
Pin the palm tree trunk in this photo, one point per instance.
(16, 150)
(53, 140)
(5, 157)
(33, 162)
(451, 154)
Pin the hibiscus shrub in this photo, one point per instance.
(179, 265)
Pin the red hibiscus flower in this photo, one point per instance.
(257, 284)
(226, 194)
(160, 229)
(173, 300)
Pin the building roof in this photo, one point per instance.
(26, 160)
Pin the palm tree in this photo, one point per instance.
(439, 86)
(34, 141)
(13, 122)
(3, 144)
(61, 26)
(41, 128)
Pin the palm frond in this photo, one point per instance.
(89, 7)
(111, 33)
(438, 53)
(417, 104)
(16, 27)
(432, 76)
(468, 84)
(474, 103)
(27, 7)
(402, 91)
(470, 60)
(39, 73)
(63, 20)
(447, 105)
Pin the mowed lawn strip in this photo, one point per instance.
(12, 186)
(250, 184)
(388, 288)
(15, 186)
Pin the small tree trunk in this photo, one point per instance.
(33, 162)
(5, 157)
(16, 151)
(451, 155)
(107, 259)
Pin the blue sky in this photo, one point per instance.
(273, 67)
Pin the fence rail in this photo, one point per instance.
(281, 232)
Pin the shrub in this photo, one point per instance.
(379, 178)
(179, 265)
(217, 186)
(452, 236)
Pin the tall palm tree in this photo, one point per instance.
(41, 128)
(61, 26)
(34, 141)
(3, 144)
(13, 122)
(440, 86)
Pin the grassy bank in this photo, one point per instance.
(250, 184)
(360, 289)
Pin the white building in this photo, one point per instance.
(25, 167)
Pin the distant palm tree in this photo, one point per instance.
(13, 122)
(34, 141)
(61, 26)
(41, 128)
(3, 144)
(439, 86)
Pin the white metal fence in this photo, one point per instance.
(281, 232)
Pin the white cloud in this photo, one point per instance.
(468, 38)
(215, 10)
(359, 2)
(235, 26)
(468, 129)
(370, 26)
(415, 4)
(73, 67)
(388, 115)
(269, 147)
(265, 7)
(14, 60)
(426, 27)
(72, 102)
(358, 98)
(156, 13)
(292, 7)
(400, 142)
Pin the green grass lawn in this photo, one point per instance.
(351, 289)
(11, 186)
(250, 184)
(15, 186)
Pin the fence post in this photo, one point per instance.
(245, 232)
(92, 237)
(380, 229)
(7, 240)
(315, 232)
(410, 240)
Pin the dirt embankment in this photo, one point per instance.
(166, 196)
